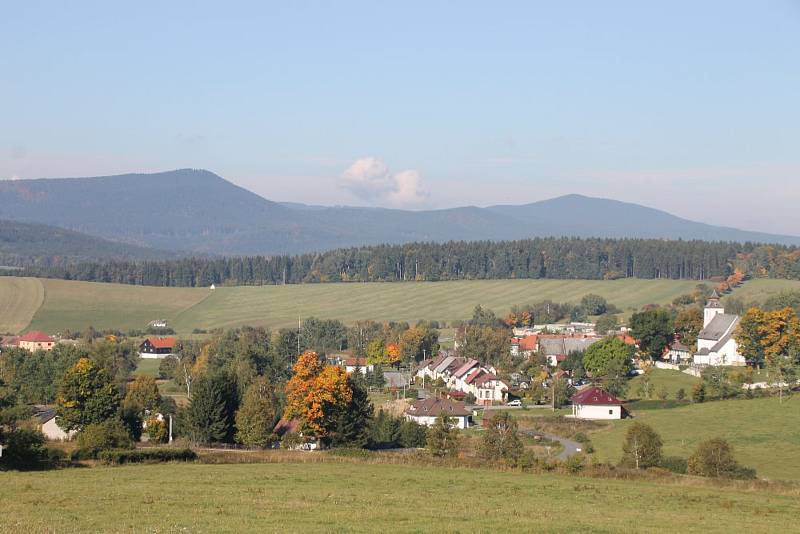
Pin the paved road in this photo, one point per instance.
(569, 447)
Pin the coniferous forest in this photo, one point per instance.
(559, 258)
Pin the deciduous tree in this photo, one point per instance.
(642, 446)
(87, 395)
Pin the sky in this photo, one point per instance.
(691, 107)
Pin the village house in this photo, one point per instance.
(677, 353)
(352, 364)
(158, 347)
(425, 412)
(293, 426)
(489, 389)
(595, 403)
(46, 418)
(715, 343)
(35, 340)
(556, 348)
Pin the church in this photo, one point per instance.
(715, 343)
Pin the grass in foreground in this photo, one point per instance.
(344, 497)
(764, 433)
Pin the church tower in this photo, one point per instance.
(712, 309)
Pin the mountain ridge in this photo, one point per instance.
(194, 211)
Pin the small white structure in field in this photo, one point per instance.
(594, 403)
(212, 287)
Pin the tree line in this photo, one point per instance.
(558, 258)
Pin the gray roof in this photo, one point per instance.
(564, 345)
(720, 325)
(396, 379)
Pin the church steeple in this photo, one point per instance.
(713, 307)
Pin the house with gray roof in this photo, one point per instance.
(716, 344)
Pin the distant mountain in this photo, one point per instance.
(196, 211)
(24, 244)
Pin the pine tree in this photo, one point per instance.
(258, 414)
(443, 437)
(206, 420)
(352, 425)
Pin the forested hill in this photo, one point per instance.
(197, 212)
(565, 258)
(23, 244)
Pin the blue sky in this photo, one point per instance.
(692, 107)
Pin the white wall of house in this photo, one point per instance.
(151, 356)
(363, 368)
(429, 420)
(53, 432)
(585, 411)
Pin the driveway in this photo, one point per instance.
(569, 447)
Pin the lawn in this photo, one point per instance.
(761, 289)
(147, 367)
(354, 497)
(670, 380)
(764, 433)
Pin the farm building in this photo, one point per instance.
(158, 347)
(594, 403)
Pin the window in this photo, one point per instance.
(610, 412)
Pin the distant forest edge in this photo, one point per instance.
(556, 258)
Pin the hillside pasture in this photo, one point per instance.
(20, 298)
(77, 305)
(764, 433)
(760, 289)
(361, 497)
(280, 306)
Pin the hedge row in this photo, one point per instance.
(122, 456)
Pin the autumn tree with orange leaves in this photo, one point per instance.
(766, 336)
(323, 397)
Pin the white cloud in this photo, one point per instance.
(370, 179)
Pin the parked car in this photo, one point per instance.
(515, 402)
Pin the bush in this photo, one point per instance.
(676, 464)
(348, 452)
(24, 449)
(580, 437)
(291, 440)
(93, 439)
(714, 458)
(123, 456)
(412, 435)
(574, 464)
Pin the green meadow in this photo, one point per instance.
(360, 497)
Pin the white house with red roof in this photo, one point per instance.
(35, 340)
(489, 389)
(158, 347)
(595, 403)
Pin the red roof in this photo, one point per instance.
(354, 362)
(472, 375)
(529, 343)
(433, 407)
(627, 339)
(36, 336)
(163, 342)
(594, 396)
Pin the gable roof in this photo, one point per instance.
(443, 364)
(721, 324)
(36, 336)
(458, 373)
(678, 346)
(162, 342)
(594, 396)
(433, 407)
(529, 342)
(473, 375)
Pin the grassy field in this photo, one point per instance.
(19, 300)
(55, 305)
(761, 289)
(670, 380)
(341, 497)
(77, 305)
(764, 433)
